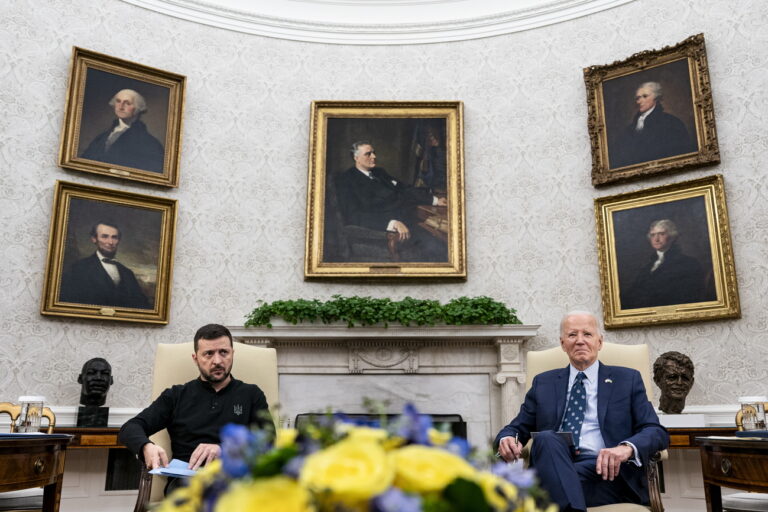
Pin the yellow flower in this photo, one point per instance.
(274, 494)
(438, 438)
(350, 471)
(492, 485)
(367, 434)
(204, 477)
(425, 469)
(180, 500)
(393, 442)
(285, 437)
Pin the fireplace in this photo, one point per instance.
(475, 372)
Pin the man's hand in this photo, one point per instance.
(510, 449)
(402, 230)
(442, 201)
(154, 456)
(609, 460)
(203, 454)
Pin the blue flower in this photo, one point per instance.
(237, 449)
(293, 467)
(515, 474)
(458, 446)
(360, 422)
(395, 500)
(413, 426)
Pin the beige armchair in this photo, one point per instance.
(614, 354)
(174, 365)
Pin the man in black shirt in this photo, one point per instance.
(194, 412)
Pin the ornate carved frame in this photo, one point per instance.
(726, 304)
(316, 262)
(694, 51)
(131, 73)
(125, 208)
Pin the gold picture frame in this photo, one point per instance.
(651, 136)
(132, 234)
(122, 119)
(416, 179)
(666, 256)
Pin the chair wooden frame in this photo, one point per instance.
(14, 410)
(174, 365)
(614, 354)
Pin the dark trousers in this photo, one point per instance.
(571, 480)
(172, 484)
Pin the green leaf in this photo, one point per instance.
(466, 496)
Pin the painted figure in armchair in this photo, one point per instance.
(372, 198)
(615, 428)
(194, 412)
(673, 373)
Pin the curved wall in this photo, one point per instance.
(240, 236)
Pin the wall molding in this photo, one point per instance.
(334, 22)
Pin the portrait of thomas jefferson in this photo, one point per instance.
(124, 122)
(663, 254)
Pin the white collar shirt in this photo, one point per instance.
(641, 120)
(590, 439)
(110, 268)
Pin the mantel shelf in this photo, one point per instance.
(319, 331)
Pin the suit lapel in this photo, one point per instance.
(604, 390)
(102, 273)
(561, 389)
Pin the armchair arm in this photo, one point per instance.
(652, 474)
(145, 487)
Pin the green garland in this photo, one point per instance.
(369, 311)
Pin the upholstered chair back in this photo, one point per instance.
(613, 354)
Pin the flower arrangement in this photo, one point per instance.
(337, 466)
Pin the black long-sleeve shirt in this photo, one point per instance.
(194, 413)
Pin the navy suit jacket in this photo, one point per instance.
(623, 412)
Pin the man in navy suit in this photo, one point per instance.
(100, 279)
(619, 433)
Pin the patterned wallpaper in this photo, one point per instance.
(240, 236)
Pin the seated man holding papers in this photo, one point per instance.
(194, 412)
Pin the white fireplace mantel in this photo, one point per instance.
(476, 371)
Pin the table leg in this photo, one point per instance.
(714, 498)
(52, 495)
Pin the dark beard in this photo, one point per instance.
(208, 377)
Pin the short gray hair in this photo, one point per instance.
(666, 224)
(356, 147)
(138, 100)
(600, 330)
(655, 88)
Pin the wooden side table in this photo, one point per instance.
(90, 437)
(27, 462)
(736, 462)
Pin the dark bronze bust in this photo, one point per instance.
(96, 378)
(673, 373)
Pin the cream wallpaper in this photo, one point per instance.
(240, 235)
